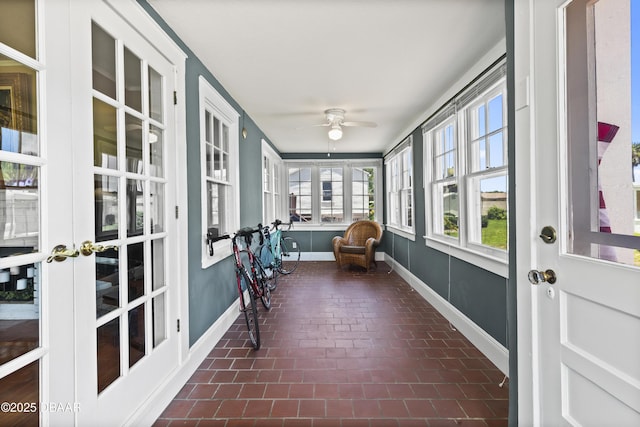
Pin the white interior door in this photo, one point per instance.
(124, 192)
(579, 338)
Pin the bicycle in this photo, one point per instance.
(281, 253)
(250, 279)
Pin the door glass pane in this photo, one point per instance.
(156, 148)
(132, 80)
(155, 95)
(19, 209)
(107, 282)
(159, 323)
(18, 108)
(103, 52)
(136, 334)
(105, 140)
(135, 207)
(106, 207)
(157, 264)
(135, 272)
(20, 37)
(604, 133)
(134, 144)
(156, 207)
(22, 388)
(108, 353)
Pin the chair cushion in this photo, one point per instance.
(348, 249)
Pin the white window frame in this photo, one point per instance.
(347, 166)
(213, 102)
(463, 247)
(400, 200)
(272, 187)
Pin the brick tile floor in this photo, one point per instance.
(343, 348)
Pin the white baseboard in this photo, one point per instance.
(149, 412)
(328, 256)
(488, 345)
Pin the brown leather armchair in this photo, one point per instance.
(358, 245)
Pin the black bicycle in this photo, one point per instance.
(253, 280)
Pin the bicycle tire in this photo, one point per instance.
(290, 255)
(250, 313)
(263, 283)
(270, 270)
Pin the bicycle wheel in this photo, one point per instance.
(263, 284)
(266, 259)
(250, 309)
(290, 255)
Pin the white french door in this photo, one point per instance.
(579, 345)
(124, 190)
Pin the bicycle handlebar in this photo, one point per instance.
(278, 223)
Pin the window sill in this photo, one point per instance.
(300, 226)
(221, 250)
(487, 262)
(411, 235)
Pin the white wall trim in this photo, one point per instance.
(491, 348)
(152, 408)
(328, 256)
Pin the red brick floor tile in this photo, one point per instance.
(343, 348)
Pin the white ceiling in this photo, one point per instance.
(383, 61)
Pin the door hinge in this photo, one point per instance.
(175, 98)
(178, 325)
(176, 212)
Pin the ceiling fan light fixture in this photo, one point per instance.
(335, 133)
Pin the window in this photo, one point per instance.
(399, 165)
(466, 170)
(219, 165)
(326, 193)
(271, 185)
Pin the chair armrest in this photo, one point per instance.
(370, 246)
(339, 241)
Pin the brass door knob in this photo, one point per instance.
(536, 277)
(61, 253)
(88, 247)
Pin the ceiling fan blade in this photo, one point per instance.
(361, 124)
(313, 126)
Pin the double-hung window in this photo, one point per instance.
(399, 166)
(466, 172)
(332, 193)
(219, 166)
(271, 185)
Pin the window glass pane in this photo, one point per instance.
(481, 121)
(108, 356)
(496, 150)
(491, 217)
(300, 194)
(133, 128)
(216, 132)
(132, 80)
(20, 37)
(136, 334)
(604, 135)
(18, 108)
(135, 270)
(135, 207)
(157, 264)
(107, 282)
(103, 51)
(209, 160)
(159, 323)
(156, 151)
(106, 207)
(27, 381)
(105, 140)
(495, 114)
(155, 95)
(446, 198)
(19, 209)
(156, 207)
(217, 195)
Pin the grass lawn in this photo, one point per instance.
(495, 234)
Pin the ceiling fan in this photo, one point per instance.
(335, 120)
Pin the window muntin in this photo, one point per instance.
(331, 193)
(466, 175)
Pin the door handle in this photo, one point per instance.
(536, 277)
(88, 247)
(61, 253)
